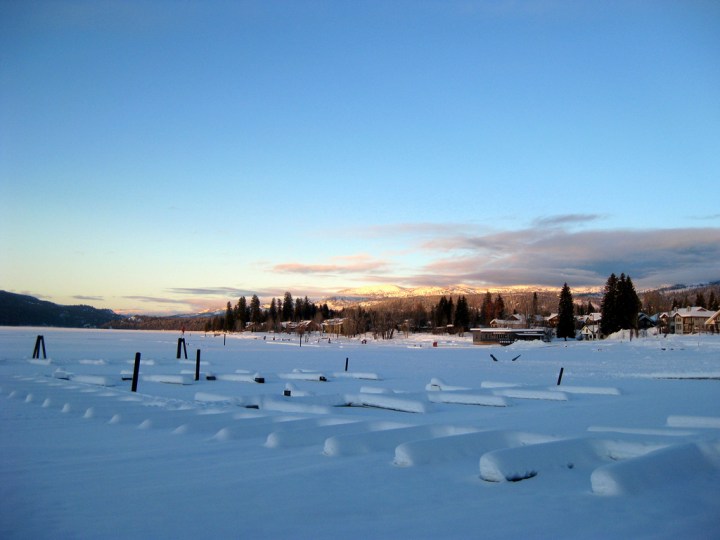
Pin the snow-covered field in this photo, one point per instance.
(412, 441)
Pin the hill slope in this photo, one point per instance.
(24, 310)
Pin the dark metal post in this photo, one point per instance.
(136, 372)
(181, 344)
(560, 376)
(346, 363)
(197, 365)
(40, 341)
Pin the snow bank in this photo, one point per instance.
(600, 390)
(169, 379)
(318, 435)
(519, 393)
(674, 465)
(438, 385)
(467, 399)
(386, 440)
(383, 401)
(303, 376)
(712, 422)
(455, 447)
(516, 464)
(357, 375)
(241, 377)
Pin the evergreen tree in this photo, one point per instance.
(499, 307)
(241, 313)
(255, 310)
(229, 325)
(273, 313)
(535, 310)
(288, 307)
(566, 314)
(487, 310)
(713, 302)
(462, 314)
(628, 304)
(298, 313)
(608, 307)
(590, 308)
(700, 300)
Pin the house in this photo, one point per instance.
(690, 320)
(712, 325)
(645, 321)
(506, 336)
(333, 326)
(552, 320)
(513, 321)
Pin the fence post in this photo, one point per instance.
(346, 363)
(560, 376)
(197, 365)
(181, 343)
(136, 372)
(40, 341)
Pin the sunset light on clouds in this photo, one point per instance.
(168, 157)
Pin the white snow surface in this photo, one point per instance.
(613, 452)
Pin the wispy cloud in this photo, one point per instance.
(215, 292)
(552, 256)
(352, 264)
(89, 298)
(567, 219)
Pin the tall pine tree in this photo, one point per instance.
(608, 308)
(566, 314)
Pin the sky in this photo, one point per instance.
(164, 157)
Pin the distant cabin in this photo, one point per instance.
(506, 336)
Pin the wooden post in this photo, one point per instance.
(40, 341)
(197, 365)
(560, 376)
(181, 344)
(346, 363)
(224, 336)
(136, 372)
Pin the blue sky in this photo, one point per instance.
(169, 156)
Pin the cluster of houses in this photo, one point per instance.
(689, 320)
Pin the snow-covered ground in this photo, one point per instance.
(412, 441)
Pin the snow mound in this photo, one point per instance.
(357, 375)
(676, 465)
(383, 401)
(712, 422)
(467, 399)
(438, 384)
(318, 435)
(386, 440)
(168, 379)
(519, 393)
(461, 446)
(521, 463)
(599, 390)
(303, 376)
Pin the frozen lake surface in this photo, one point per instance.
(412, 441)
